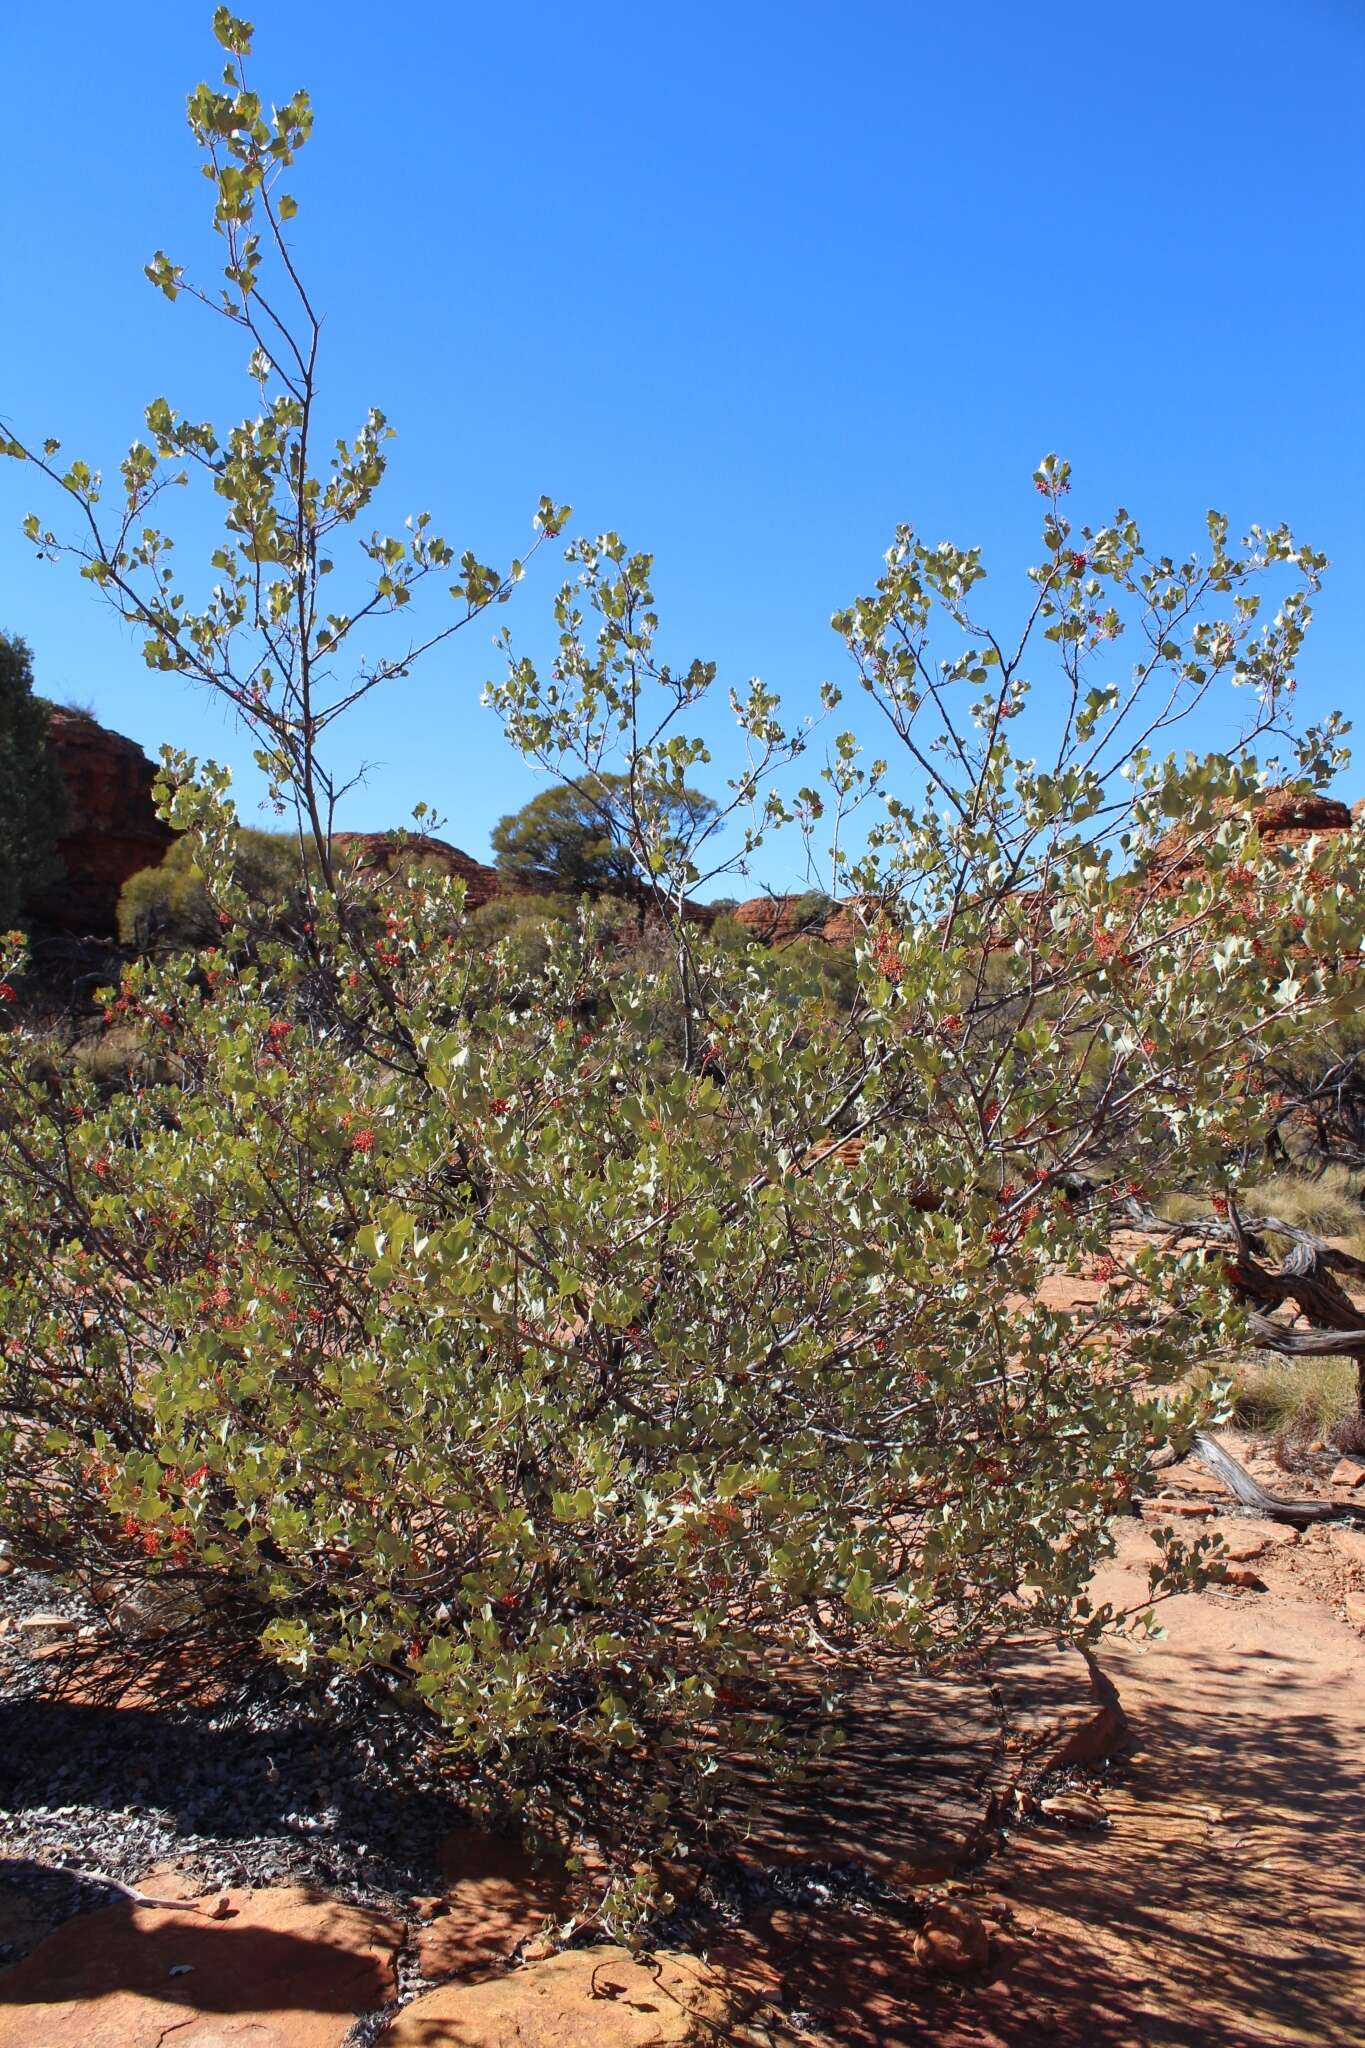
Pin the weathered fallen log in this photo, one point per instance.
(1306, 1278)
(1254, 1229)
(1272, 1336)
(1273, 1506)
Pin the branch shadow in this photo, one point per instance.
(212, 1966)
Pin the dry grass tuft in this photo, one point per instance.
(1328, 1204)
(112, 1055)
(1298, 1400)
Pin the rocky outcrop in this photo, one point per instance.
(778, 920)
(114, 830)
(850, 921)
(775, 920)
(278, 1969)
(496, 1896)
(388, 852)
(1285, 819)
(593, 1998)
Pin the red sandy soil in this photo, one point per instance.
(1222, 1907)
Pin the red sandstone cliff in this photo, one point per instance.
(371, 851)
(114, 828)
(1284, 818)
(776, 920)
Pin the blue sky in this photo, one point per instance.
(747, 283)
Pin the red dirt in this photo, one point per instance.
(1221, 1908)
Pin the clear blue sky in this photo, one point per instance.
(747, 282)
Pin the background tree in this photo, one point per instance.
(589, 837)
(811, 911)
(34, 807)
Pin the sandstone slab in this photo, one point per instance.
(863, 1978)
(953, 1940)
(1196, 1479)
(590, 1998)
(916, 1783)
(1059, 1708)
(285, 1969)
(1348, 1543)
(1264, 1535)
(1242, 1576)
(1245, 1546)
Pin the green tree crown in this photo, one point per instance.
(596, 836)
(34, 806)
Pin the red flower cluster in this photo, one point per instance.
(886, 955)
(363, 1141)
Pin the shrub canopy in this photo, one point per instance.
(170, 906)
(440, 1316)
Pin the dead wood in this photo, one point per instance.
(1273, 1506)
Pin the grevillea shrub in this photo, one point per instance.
(439, 1315)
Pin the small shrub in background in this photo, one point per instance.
(169, 907)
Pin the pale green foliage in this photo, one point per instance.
(449, 1316)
